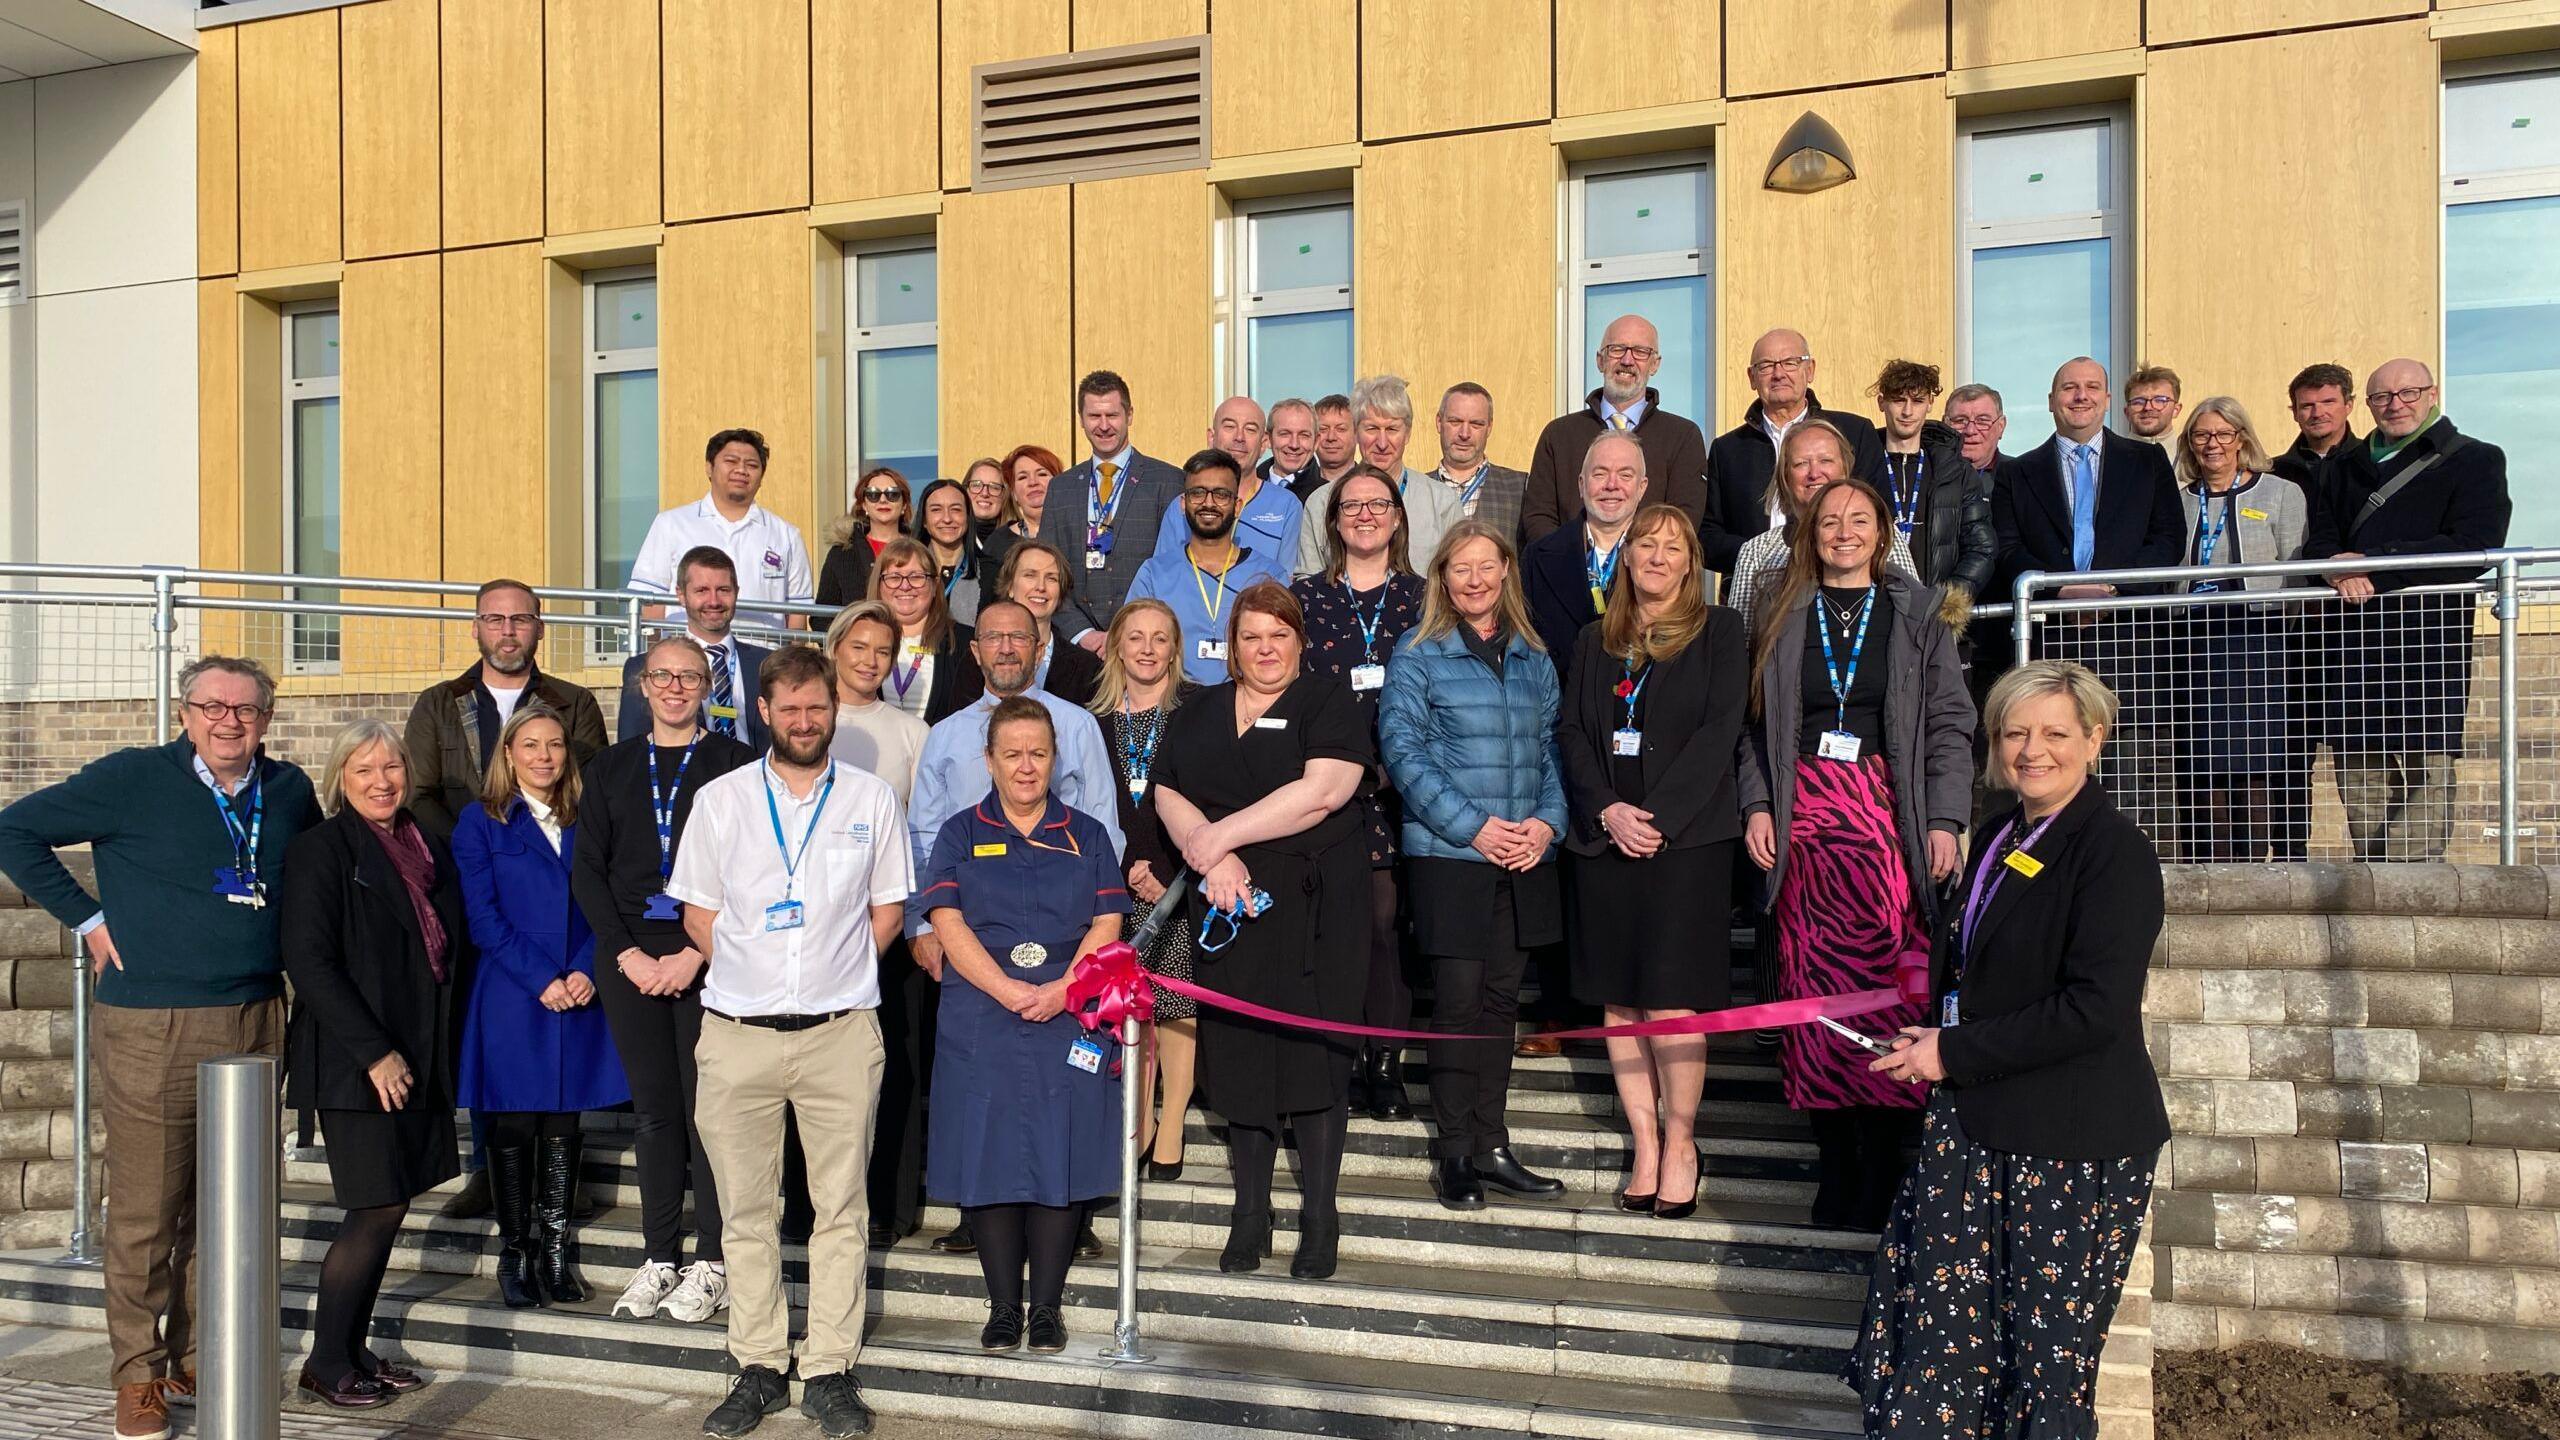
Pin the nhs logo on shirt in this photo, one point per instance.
(773, 564)
(859, 832)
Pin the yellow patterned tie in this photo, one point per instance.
(1110, 473)
(1618, 421)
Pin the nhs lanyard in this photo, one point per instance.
(1987, 877)
(2209, 523)
(1906, 507)
(1137, 762)
(791, 859)
(1368, 623)
(1467, 493)
(1098, 517)
(244, 838)
(662, 804)
(1843, 681)
(1600, 569)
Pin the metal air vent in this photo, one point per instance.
(1090, 115)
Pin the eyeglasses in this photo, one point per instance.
(1000, 639)
(1628, 352)
(1789, 365)
(1198, 493)
(2151, 402)
(1366, 507)
(2408, 396)
(215, 710)
(903, 580)
(986, 487)
(881, 495)
(676, 679)
(1971, 423)
(2213, 439)
(520, 620)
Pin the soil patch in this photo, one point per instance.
(2257, 1392)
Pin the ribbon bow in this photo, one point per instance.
(1109, 987)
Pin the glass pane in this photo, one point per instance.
(2027, 174)
(2502, 339)
(315, 487)
(1293, 249)
(627, 314)
(2035, 306)
(1678, 308)
(626, 497)
(2507, 122)
(899, 415)
(315, 344)
(1302, 355)
(895, 289)
(1649, 212)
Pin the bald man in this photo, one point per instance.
(1675, 450)
(1268, 515)
(2398, 679)
(1740, 500)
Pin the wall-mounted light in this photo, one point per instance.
(1811, 156)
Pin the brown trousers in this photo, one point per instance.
(147, 1089)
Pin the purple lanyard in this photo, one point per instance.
(1987, 878)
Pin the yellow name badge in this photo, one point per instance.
(2025, 864)
(986, 852)
(723, 712)
(2248, 514)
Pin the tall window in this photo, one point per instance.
(2044, 273)
(1293, 311)
(311, 471)
(893, 365)
(622, 420)
(1642, 237)
(2502, 268)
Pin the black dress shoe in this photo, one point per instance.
(355, 1390)
(835, 1402)
(1048, 1334)
(1248, 1240)
(398, 1379)
(1501, 1169)
(1004, 1329)
(958, 1240)
(1319, 1241)
(1088, 1244)
(1164, 1172)
(1455, 1182)
(471, 1202)
(881, 1236)
(1386, 1087)
(759, 1391)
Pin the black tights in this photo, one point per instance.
(524, 1127)
(1008, 1235)
(350, 1281)
(1254, 1152)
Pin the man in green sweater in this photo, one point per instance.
(189, 840)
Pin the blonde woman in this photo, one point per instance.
(1140, 688)
(883, 509)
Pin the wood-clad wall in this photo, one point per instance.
(448, 165)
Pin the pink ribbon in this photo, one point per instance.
(1118, 988)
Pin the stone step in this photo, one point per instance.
(932, 1368)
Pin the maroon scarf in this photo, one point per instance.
(409, 855)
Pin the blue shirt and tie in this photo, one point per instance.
(951, 775)
(2080, 462)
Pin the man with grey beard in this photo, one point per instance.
(1675, 451)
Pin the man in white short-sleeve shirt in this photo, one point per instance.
(794, 875)
(772, 559)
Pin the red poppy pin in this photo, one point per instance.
(1626, 688)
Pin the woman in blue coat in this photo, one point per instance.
(535, 1050)
(1025, 1127)
(1468, 726)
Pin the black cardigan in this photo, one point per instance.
(2049, 1059)
(1075, 673)
(1693, 713)
(614, 870)
(362, 988)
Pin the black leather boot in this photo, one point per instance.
(1363, 1095)
(511, 1200)
(1248, 1240)
(1453, 1179)
(1386, 1086)
(1501, 1169)
(556, 1257)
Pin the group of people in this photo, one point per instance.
(811, 915)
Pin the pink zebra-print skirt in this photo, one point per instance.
(1844, 914)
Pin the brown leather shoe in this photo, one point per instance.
(142, 1412)
(1539, 1046)
(355, 1391)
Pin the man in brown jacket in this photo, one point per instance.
(1675, 450)
(455, 722)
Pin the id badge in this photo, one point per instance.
(1838, 745)
(722, 712)
(1368, 677)
(661, 906)
(1626, 742)
(1947, 1016)
(1095, 559)
(1086, 1055)
(784, 915)
(239, 889)
(1137, 789)
(1214, 650)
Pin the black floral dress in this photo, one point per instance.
(1994, 1287)
(1134, 738)
(1338, 644)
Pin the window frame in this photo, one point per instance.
(2113, 224)
(1581, 272)
(2481, 187)
(1237, 255)
(594, 365)
(314, 644)
(860, 339)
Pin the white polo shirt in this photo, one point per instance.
(772, 560)
(730, 862)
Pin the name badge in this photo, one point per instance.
(1268, 722)
(986, 852)
(239, 888)
(1095, 559)
(1214, 650)
(1947, 1011)
(784, 915)
(773, 564)
(2024, 863)
(1837, 745)
(722, 712)
(2248, 514)
(1086, 1055)
(1368, 677)
(1137, 789)
(1626, 742)
(661, 906)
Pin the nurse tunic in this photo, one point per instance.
(1013, 1121)
(1309, 953)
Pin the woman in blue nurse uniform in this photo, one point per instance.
(1025, 1126)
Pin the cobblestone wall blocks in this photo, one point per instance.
(2253, 1107)
(2421, 1232)
(2472, 1175)
(2286, 941)
(2525, 1119)
(2529, 947)
(2376, 1057)
(2181, 1217)
(2297, 1282)
(2209, 1051)
(2345, 1112)
(2382, 1172)
(2288, 1166)
(2415, 889)
(2475, 1058)
(2533, 1062)
(2426, 1112)
(2190, 1104)
(2212, 1277)
(2244, 997)
(2504, 1235)
(2521, 892)
(2290, 1052)
(2246, 889)
(2471, 1294)
(2206, 941)
(2372, 942)
(2419, 1001)
(2327, 888)
(2382, 1287)
(2175, 995)
(2500, 1002)
(2212, 1162)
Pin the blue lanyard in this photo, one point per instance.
(1599, 571)
(1842, 683)
(244, 838)
(2209, 536)
(664, 810)
(1368, 623)
(1906, 509)
(1098, 517)
(1636, 689)
(1133, 760)
(791, 859)
(1467, 493)
(959, 572)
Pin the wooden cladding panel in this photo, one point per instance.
(494, 501)
(492, 86)
(1259, 102)
(1007, 357)
(390, 63)
(218, 151)
(600, 110)
(1631, 54)
(288, 69)
(1432, 65)
(735, 347)
(737, 98)
(874, 115)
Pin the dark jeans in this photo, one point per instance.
(909, 1001)
(655, 1036)
(1471, 1080)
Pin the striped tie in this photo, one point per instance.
(1618, 421)
(723, 716)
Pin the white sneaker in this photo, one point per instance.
(703, 1293)
(647, 1290)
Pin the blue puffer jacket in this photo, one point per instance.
(1463, 745)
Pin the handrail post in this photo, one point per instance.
(2021, 619)
(1133, 1102)
(237, 1157)
(164, 651)
(634, 641)
(84, 1200)
(2507, 616)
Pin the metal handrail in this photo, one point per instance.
(2362, 564)
(183, 575)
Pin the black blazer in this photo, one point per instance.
(632, 718)
(362, 988)
(1693, 709)
(844, 575)
(1740, 464)
(956, 682)
(2049, 1058)
(1555, 578)
(1075, 673)
(613, 870)
(2139, 522)
(2458, 503)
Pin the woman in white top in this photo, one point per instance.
(871, 733)
(1813, 455)
(933, 673)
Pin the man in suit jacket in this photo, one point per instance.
(1106, 512)
(1561, 570)
(1743, 459)
(455, 723)
(2399, 681)
(1974, 412)
(707, 586)
(1675, 450)
(1485, 491)
(2089, 499)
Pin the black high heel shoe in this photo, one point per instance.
(1635, 1204)
(1319, 1243)
(1686, 1208)
(1162, 1172)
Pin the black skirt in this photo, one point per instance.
(390, 1157)
(1653, 934)
(1451, 902)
